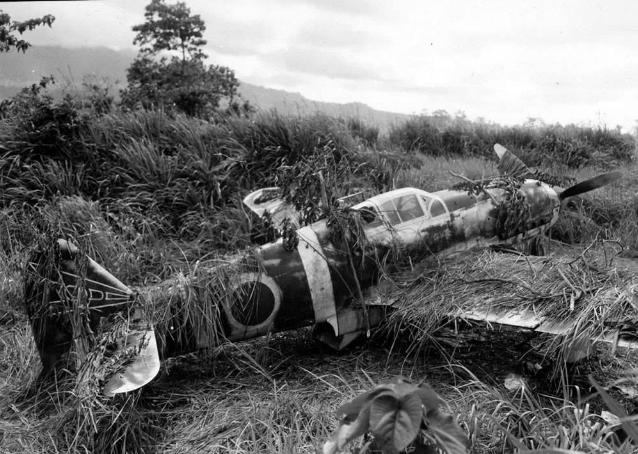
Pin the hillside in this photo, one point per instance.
(20, 69)
(71, 65)
(295, 103)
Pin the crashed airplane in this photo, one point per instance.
(315, 275)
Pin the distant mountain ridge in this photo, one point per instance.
(297, 104)
(70, 65)
(20, 69)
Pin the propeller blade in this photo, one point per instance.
(589, 185)
(509, 164)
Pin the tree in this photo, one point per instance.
(170, 27)
(9, 31)
(170, 69)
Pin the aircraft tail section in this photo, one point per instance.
(77, 309)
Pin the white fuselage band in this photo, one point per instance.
(317, 273)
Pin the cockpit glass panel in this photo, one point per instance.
(408, 207)
(436, 208)
(390, 212)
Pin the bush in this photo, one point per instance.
(546, 145)
(368, 135)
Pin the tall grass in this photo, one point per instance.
(544, 145)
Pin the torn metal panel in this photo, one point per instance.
(268, 201)
(519, 318)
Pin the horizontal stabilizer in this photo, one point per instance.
(142, 369)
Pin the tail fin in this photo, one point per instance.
(68, 297)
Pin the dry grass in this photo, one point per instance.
(587, 289)
(520, 420)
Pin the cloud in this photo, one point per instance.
(355, 7)
(78, 24)
(323, 62)
(233, 38)
(338, 33)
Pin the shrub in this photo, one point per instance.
(368, 135)
(545, 145)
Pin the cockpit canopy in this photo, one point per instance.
(400, 206)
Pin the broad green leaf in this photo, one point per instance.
(383, 411)
(395, 421)
(350, 410)
(429, 398)
(402, 388)
(348, 431)
(446, 432)
(394, 414)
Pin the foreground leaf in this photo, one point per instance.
(347, 431)
(443, 430)
(395, 421)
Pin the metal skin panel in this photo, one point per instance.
(287, 270)
(256, 314)
(344, 283)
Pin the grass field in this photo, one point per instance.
(171, 198)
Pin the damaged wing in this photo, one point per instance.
(528, 320)
(268, 202)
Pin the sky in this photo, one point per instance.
(572, 61)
